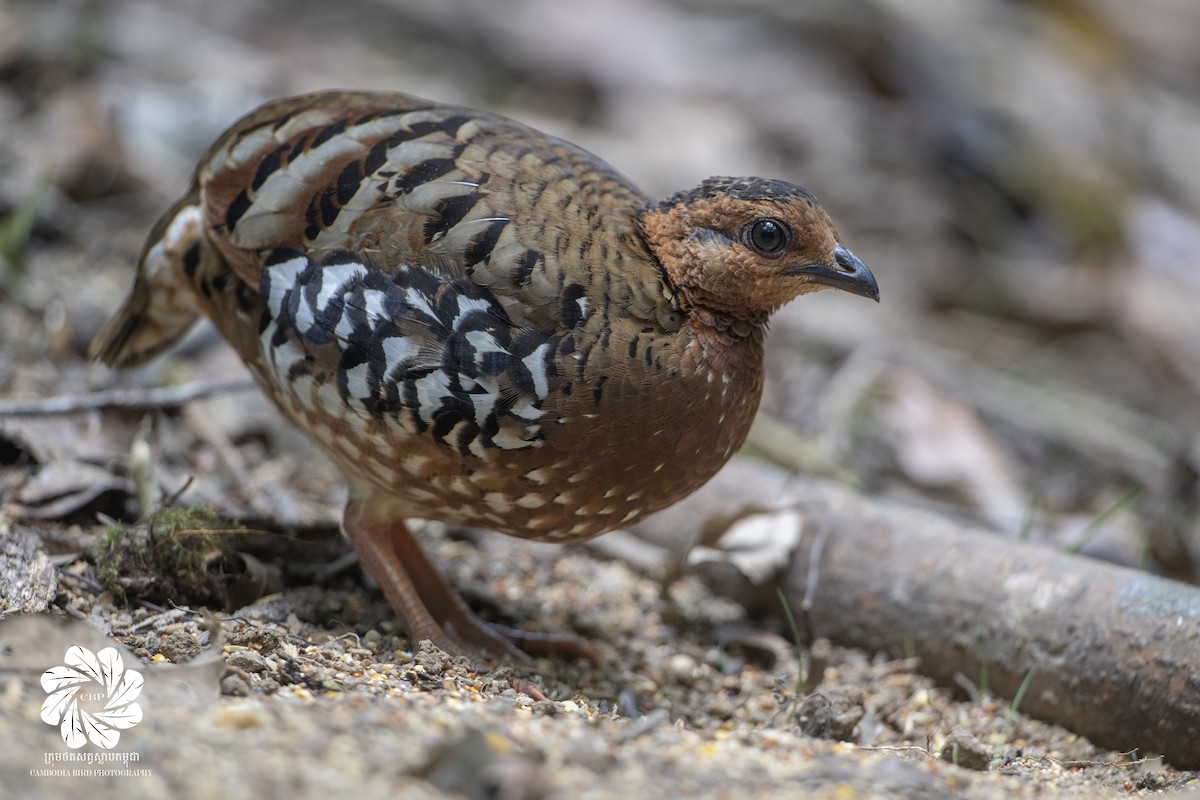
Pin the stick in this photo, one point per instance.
(130, 399)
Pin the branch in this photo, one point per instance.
(128, 399)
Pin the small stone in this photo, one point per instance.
(234, 685)
(264, 640)
(181, 646)
(248, 661)
(831, 713)
(683, 668)
(964, 750)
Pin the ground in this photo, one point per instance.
(1018, 177)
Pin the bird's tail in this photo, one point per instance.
(161, 306)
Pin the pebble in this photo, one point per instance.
(248, 661)
(683, 668)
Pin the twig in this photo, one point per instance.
(644, 725)
(895, 748)
(159, 619)
(130, 399)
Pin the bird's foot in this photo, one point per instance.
(431, 609)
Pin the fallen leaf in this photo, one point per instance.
(941, 444)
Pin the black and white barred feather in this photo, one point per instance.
(433, 355)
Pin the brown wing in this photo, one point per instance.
(405, 182)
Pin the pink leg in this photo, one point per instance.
(431, 609)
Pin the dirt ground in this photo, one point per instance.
(1022, 179)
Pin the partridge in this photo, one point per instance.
(479, 323)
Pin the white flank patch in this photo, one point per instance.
(484, 343)
(535, 362)
(453, 433)
(334, 279)
(432, 390)
(506, 441)
(485, 403)
(396, 351)
(465, 306)
(373, 303)
(417, 300)
(524, 409)
(282, 357)
(281, 278)
(344, 327)
(356, 381)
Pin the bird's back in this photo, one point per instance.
(408, 183)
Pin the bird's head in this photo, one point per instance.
(743, 247)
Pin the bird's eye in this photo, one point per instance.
(768, 236)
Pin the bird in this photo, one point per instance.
(479, 323)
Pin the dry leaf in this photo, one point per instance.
(941, 444)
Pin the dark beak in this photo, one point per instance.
(848, 274)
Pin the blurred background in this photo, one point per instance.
(1022, 177)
